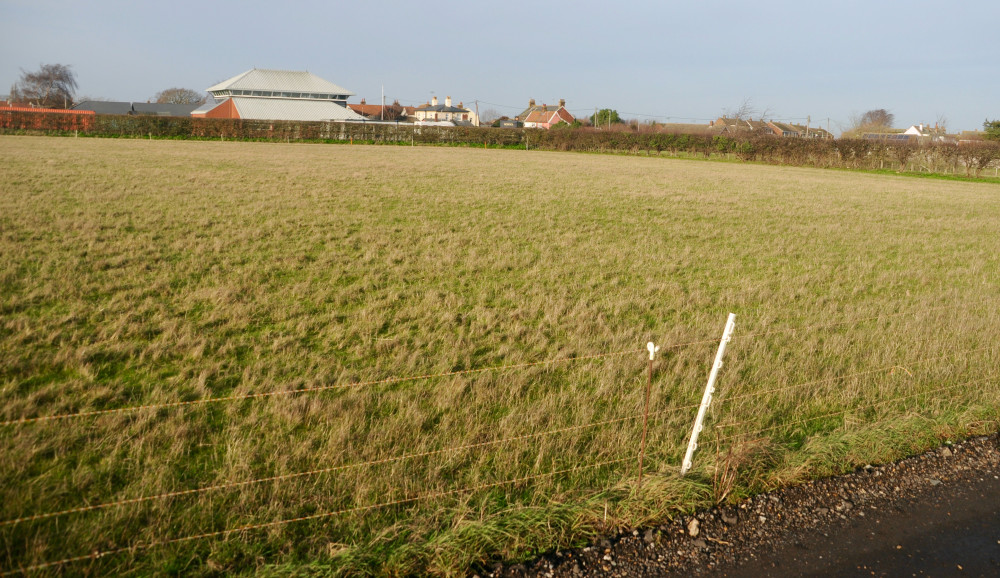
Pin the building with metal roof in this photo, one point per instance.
(262, 94)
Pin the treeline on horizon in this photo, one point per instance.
(970, 157)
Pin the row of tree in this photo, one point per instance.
(54, 86)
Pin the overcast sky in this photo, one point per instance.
(668, 61)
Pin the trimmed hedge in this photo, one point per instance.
(970, 158)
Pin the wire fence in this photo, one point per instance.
(737, 415)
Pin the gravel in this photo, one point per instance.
(721, 540)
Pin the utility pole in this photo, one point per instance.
(808, 120)
(477, 112)
(381, 111)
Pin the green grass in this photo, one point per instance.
(136, 272)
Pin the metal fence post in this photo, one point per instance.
(706, 399)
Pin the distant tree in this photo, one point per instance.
(605, 117)
(881, 118)
(876, 120)
(744, 111)
(51, 86)
(394, 111)
(941, 123)
(992, 128)
(489, 115)
(179, 96)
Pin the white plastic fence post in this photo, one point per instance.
(706, 399)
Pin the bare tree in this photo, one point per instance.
(179, 96)
(394, 111)
(51, 86)
(876, 120)
(489, 115)
(744, 111)
(880, 118)
(942, 123)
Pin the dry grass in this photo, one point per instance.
(138, 272)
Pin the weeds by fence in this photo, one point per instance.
(801, 419)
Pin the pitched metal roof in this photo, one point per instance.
(283, 80)
(105, 106)
(292, 109)
(163, 109)
(210, 103)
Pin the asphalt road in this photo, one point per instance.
(952, 530)
(934, 514)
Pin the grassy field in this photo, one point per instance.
(149, 273)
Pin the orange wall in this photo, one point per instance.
(225, 110)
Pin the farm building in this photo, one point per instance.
(261, 94)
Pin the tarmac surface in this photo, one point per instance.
(936, 514)
(947, 531)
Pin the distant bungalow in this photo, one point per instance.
(261, 94)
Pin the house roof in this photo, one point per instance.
(683, 128)
(541, 116)
(210, 103)
(150, 108)
(105, 107)
(373, 111)
(538, 108)
(811, 131)
(292, 109)
(163, 109)
(440, 108)
(281, 80)
(547, 114)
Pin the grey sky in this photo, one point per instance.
(668, 61)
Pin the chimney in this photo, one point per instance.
(434, 101)
(447, 101)
(562, 102)
(362, 101)
(461, 104)
(531, 103)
